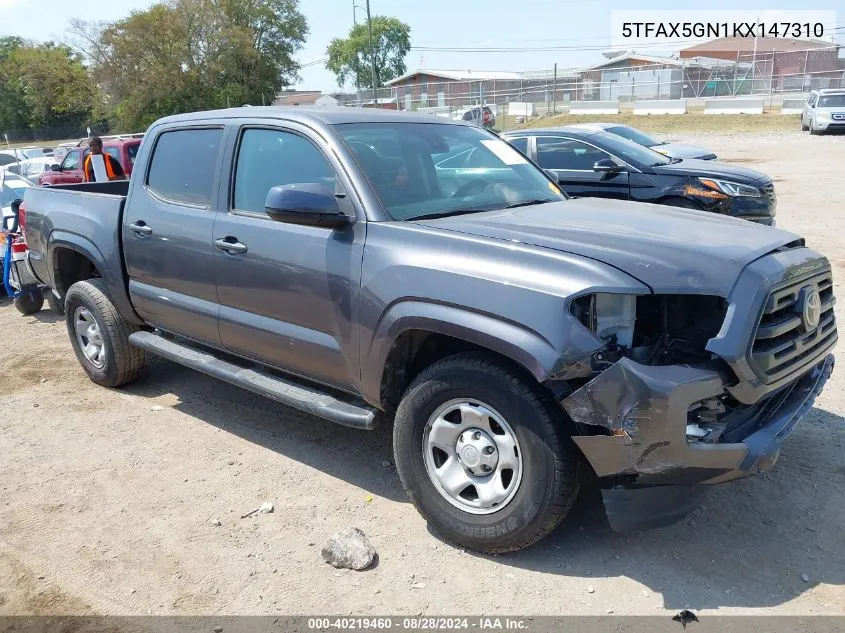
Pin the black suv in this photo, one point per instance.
(482, 116)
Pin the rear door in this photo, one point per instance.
(167, 230)
(287, 297)
(572, 160)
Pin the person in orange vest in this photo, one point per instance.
(111, 167)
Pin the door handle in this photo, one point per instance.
(140, 227)
(230, 245)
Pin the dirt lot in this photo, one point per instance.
(107, 498)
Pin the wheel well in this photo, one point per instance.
(413, 351)
(70, 266)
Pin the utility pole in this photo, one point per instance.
(554, 92)
(372, 54)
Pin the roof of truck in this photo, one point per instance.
(327, 115)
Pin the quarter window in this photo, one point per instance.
(520, 143)
(271, 158)
(184, 164)
(561, 153)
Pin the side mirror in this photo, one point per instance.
(552, 175)
(308, 203)
(55, 167)
(606, 165)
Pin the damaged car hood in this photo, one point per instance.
(667, 248)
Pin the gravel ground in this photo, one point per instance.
(109, 500)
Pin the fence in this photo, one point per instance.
(767, 75)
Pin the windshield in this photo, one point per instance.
(634, 135)
(832, 101)
(424, 169)
(630, 151)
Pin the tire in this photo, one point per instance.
(29, 301)
(681, 203)
(804, 128)
(814, 131)
(115, 362)
(542, 488)
(56, 304)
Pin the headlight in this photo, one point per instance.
(608, 316)
(733, 189)
(823, 116)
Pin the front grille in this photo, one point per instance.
(838, 117)
(782, 346)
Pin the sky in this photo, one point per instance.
(584, 26)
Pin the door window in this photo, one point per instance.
(71, 161)
(271, 158)
(184, 164)
(562, 153)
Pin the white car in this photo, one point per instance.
(824, 111)
(30, 168)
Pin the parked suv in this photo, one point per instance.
(824, 111)
(69, 171)
(335, 261)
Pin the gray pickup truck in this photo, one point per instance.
(518, 339)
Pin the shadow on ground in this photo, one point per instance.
(747, 546)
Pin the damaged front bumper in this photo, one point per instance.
(649, 469)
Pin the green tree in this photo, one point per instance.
(184, 55)
(349, 58)
(43, 86)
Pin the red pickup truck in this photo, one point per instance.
(69, 171)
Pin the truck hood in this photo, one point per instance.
(682, 150)
(667, 248)
(712, 169)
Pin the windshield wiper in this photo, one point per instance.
(446, 214)
(528, 203)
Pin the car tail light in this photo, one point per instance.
(18, 247)
(22, 223)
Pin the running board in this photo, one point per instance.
(289, 393)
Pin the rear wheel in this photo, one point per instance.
(29, 301)
(100, 335)
(804, 128)
(484, 454)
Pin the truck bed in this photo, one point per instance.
(89, 216)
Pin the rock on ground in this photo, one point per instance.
(349, 549)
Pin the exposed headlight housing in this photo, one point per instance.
(732, 189)
(608, 316)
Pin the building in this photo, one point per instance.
(771, 64)
(428, 88)
(626, 76)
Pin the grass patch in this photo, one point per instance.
(693, 122)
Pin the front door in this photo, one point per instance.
(287, 291)
(167, 233)
(572, 160)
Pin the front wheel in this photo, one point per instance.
(814, 131)
(100, 335)
(804, 127)
(484, 454)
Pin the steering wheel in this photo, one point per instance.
(465, 188)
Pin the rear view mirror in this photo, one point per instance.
(552, 175)
(55, 167)
(305, 203)
(606, 165)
